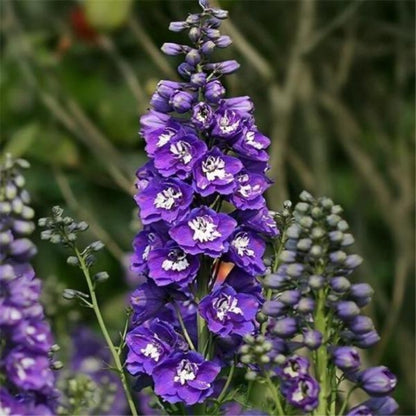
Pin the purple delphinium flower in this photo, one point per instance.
(26, 338)
(149, 346)
(166, 200)
(227, 311)
(302, 392)
(294, 367)
(259, 220)
(185, 377)
(179, 156)
(346, 358)
(171, 264)
(251, 144)
(228, 123)
(215, 172)
(204, 231)
(246, 251)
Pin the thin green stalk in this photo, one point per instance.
(101, 323)
(185, 332)
(227, 384)
(275, 395)
(344, 405)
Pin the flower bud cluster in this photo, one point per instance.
(314, 304)
(205, 151)
(27, 348)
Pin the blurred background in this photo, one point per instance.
(334, 87)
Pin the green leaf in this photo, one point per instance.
(22, 140)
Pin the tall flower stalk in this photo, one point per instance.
(63, 230)
(27, 379)
(202, 206)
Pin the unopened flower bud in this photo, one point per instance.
(312, 339)
(347, 310)
(340, 284)
(285, 327)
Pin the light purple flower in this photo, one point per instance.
(303, 392)
(227, 311)
(143, 243)
(215, 172)
(166, 199)
(204, 231)
(346, 358)
(202, 116)
(186, 377)
(251, 144)
(246, 251)
(179, 156)
(249, 191)
(170, 264)
(34, 335)
(214, 90)
(28, 370)
(228, 124)
(294, 367)
(149, 346)
(259, 220)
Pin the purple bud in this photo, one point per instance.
(214, 90)
(346, 358)
(242, 104)
(361, 290)
(288, 256)
(181, 101)
(6, 272)
(275, 281)
(335, 236)
(338, 256)
(208, 47)
(347, 309)
(340, 284)
(223, 41)
(22, 248)
(360, 410)
(199, 79)
(285, 327)
(361, 324)
(367, 340)
(194, 34)
(219, 13)
(160, 103)
(377, 381)
(185, 70)
(166, 88)
(204, 4)
(382, 405)
(347, 240)
(178, 26)
(212, 34)
(353, 261)
(312, 339)
(193, 19)
(306, 305)
(193, 57)
(290, 297)
(273, 308)
(173, 48)
(213, 22)
(316, 282)
(225, 67)
(294, 269)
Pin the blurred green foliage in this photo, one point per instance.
(333, 85)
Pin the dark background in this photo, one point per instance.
(333, 85)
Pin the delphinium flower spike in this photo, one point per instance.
(60, 229)
(312, 303)
(27, 379)
(201, 203)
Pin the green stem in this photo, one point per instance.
(344, 405)
(321, 364)
(227, 384)
(101, 323)
(182, 323)
(275, 395)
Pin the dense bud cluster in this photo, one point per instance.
(26, 342)
(313, 303)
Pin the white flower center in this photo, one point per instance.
(240, 243)
(245, 189)
(181, 150)
(225, 304)
(204, 229)
(225, 124)
(151, 350)
(214, 167)
(165, 137)
(185, 371)
(22, 366)
(167, 198)
(250, 140)
(176, 261)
